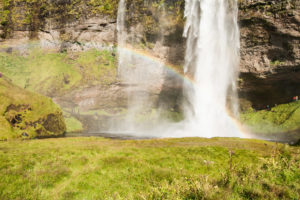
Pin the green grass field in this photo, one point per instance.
(190, 168)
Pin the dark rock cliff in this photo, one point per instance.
(270, 51)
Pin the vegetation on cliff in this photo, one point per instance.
(53, 74)
(24, 114)
(191, 168)
(271, 7)
(31, 15)
(279, 119)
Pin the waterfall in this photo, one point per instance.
(212, 60)
(121, 30)
(140, 75)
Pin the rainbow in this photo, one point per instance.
(173, 68)
(146, 55)
(179, 72)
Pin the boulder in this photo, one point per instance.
(24, 114)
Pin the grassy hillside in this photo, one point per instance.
(26, 114)
(191, 168)
(52, 74)
(282, 118)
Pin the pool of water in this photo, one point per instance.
(288, 138)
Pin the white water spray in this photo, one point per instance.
(141, 77)
(121, 28)
(212, 59)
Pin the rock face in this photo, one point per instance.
(76, 36)
(58, 24)
(272, 89)
(80, 35)
(269, 29)
(270, 51)
(270, 36)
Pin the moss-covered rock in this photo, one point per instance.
(31, 15)
(24, 114)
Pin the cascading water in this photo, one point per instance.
(212, 59)
(121, 30)
(141, 77)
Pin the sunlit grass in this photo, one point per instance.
(73, 125)
(282, 118)
(190, 168)
(52, 73)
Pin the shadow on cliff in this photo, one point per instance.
(273, 89)
(282, 50)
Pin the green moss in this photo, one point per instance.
(282, 118)
(279, 8)
(32, 14)
(97, 66)
(154, 17)
(6, 130)
(73, 125)
(276, 63)
(26, 114)
(108, 7)
(187, 168)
